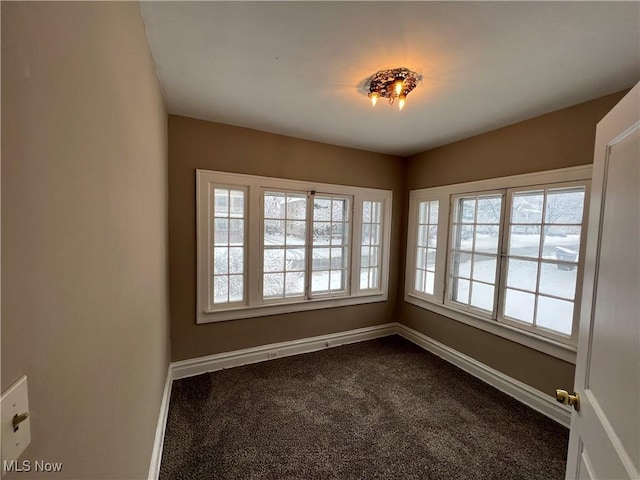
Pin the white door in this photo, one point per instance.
(604, 442)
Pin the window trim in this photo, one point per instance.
(253, 304)
(435, 303)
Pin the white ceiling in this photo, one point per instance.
(298, 68)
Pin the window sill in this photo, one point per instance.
(290, 307)
(536, 342)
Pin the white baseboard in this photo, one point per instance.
(531, 397)
(156, 454)
(545, 404)
(218, 361)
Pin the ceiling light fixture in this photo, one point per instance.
(392, 84)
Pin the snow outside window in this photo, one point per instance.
(544, 238)
(474, 251)
(370, 250)
(268, 246)
(228, 245)
(503, 255)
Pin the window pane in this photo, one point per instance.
(423, 234)
(321, 259)
(228, 229)
(221, 202)
(489, 210)
(556, 315)
(461, 265)
(296, 206)
(237, 204)
(294, 284)
(527, 207)
(463, 237)
(295, 259)
(431, 259)
(565, 206)
(524, 241)
(376, 212)
(429, 283)
(373, 260)
(336, 280)
(559, 233)
(320, 282)
(522, 274)
(467, 210)
(220, 289)
(338, 210)
(519, 305)
(274, 205)
(236, 288)
(421, 258)
(366, 212)
(484, 268)
(423, 213)
(364, 278)
(221, 231)
(558, 280)
(236, 260)
(433, 212)
(338, 236)
(337, 258)
(321, 233)
(322, 209)
(364, 257)
(461, 290)
(375, 234)
(561, 243)
(236, 232)
(482, 296)
(273, 260)
(374, 276)
(487, 238)
(433, 236)
(220, 260)
(274, 232)
(420, 280)
(273, 285)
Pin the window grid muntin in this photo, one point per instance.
(457, 223)
(428, 224)
(370, 272)
(221, 241)
(343, 221)
(290, 222)
(540, 259)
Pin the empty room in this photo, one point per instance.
(320, 240)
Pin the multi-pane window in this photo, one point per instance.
(426, 243)
(370, 245)
(545, 231)
(503, 250)
(330, 252)
(269, 246)
(285, 240)
(228, 245)
(474, 253)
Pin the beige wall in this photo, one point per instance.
(199, 144)
(84, 234)
(560, 139)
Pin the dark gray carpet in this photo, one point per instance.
(382, 409)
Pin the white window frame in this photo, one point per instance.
(253, 304)
(563, 348)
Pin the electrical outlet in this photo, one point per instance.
(16, 427)
(272, 355)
